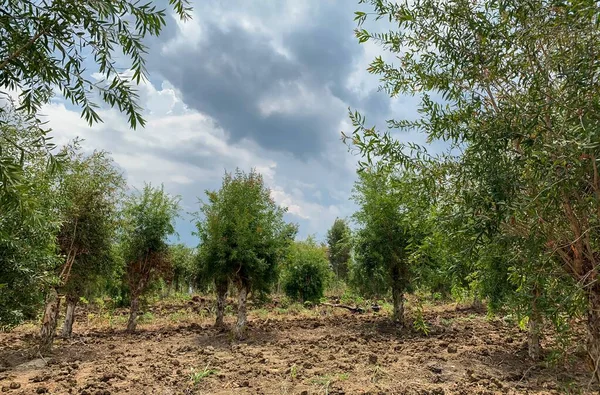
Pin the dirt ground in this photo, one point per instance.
(322, 350)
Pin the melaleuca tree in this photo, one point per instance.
(339, 241)
(50, 46)
(243, 238)
(306, 271)
(148, 220)
(28, 224)
(512, 85)
(87, 190)
(183, 261)
(383, 239)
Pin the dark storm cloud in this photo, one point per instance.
(232, 71)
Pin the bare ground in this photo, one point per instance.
(317, 351)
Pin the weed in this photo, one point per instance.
(196, 376)
(294, 371)
(146, 317)
(419, 324)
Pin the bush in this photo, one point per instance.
(306, 272)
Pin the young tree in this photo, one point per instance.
(149, 218)
(243, 238)
(383, 238)
(513, 85)
(339, 241)
(28, 224)
(53, 45)
(306, 271)
(87, 191)
(183, 262)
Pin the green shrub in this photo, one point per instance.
(306, 272)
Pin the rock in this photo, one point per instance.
(305, 392)
(34, 364)
(41, 390)
(5, 389)
(14, 385)
(245, 383)
(435, 369)
(373, 359)
(452, 349)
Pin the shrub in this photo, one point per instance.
(306, 272)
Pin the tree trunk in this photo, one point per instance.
(534, 329)
(398, 299)
(593, 324)
(67, 329)
(133, 312)
(49, 321)
(221, 288)
(240, 325)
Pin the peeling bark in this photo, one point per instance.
(67, 329)
(221, 288)
(398, 298)
(133, 312)
(240, 326)
(49, 321)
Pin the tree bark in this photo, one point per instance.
(221, 288)
(67, 329)
(398, 298)
(133, 312)
(49, 321)
(240, 325)
(593, 324)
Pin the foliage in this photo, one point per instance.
(243, 236)
(183, 261)
(511, 87)
(383, 239)
(88, 189)
(28, 224)
(148, 219)
(339, 241)
(306, 271)
(53, 46)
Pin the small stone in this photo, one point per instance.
(5, 389)
(41, 390)
(14, 385)
(434, 369)
(372, 359)
(452, 349)
(246, 383)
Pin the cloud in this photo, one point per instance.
(248, 84)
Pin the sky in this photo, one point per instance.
(248, 84)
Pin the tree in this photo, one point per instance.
(243, 238)
(340, 247)
(183, 262)
(149, 217)
(87, 191)
(306, 271)
(50, 46)
(28, 224)
(514, 87)
(383, 238)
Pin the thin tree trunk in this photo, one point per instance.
(593, 324)
(67, 329)
(133, 312)
(398, 298)
(221, 288)
(240, 325)
(49, 321)
(534, 325)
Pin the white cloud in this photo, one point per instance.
(187, 152)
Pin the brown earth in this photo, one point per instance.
(318, 351)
